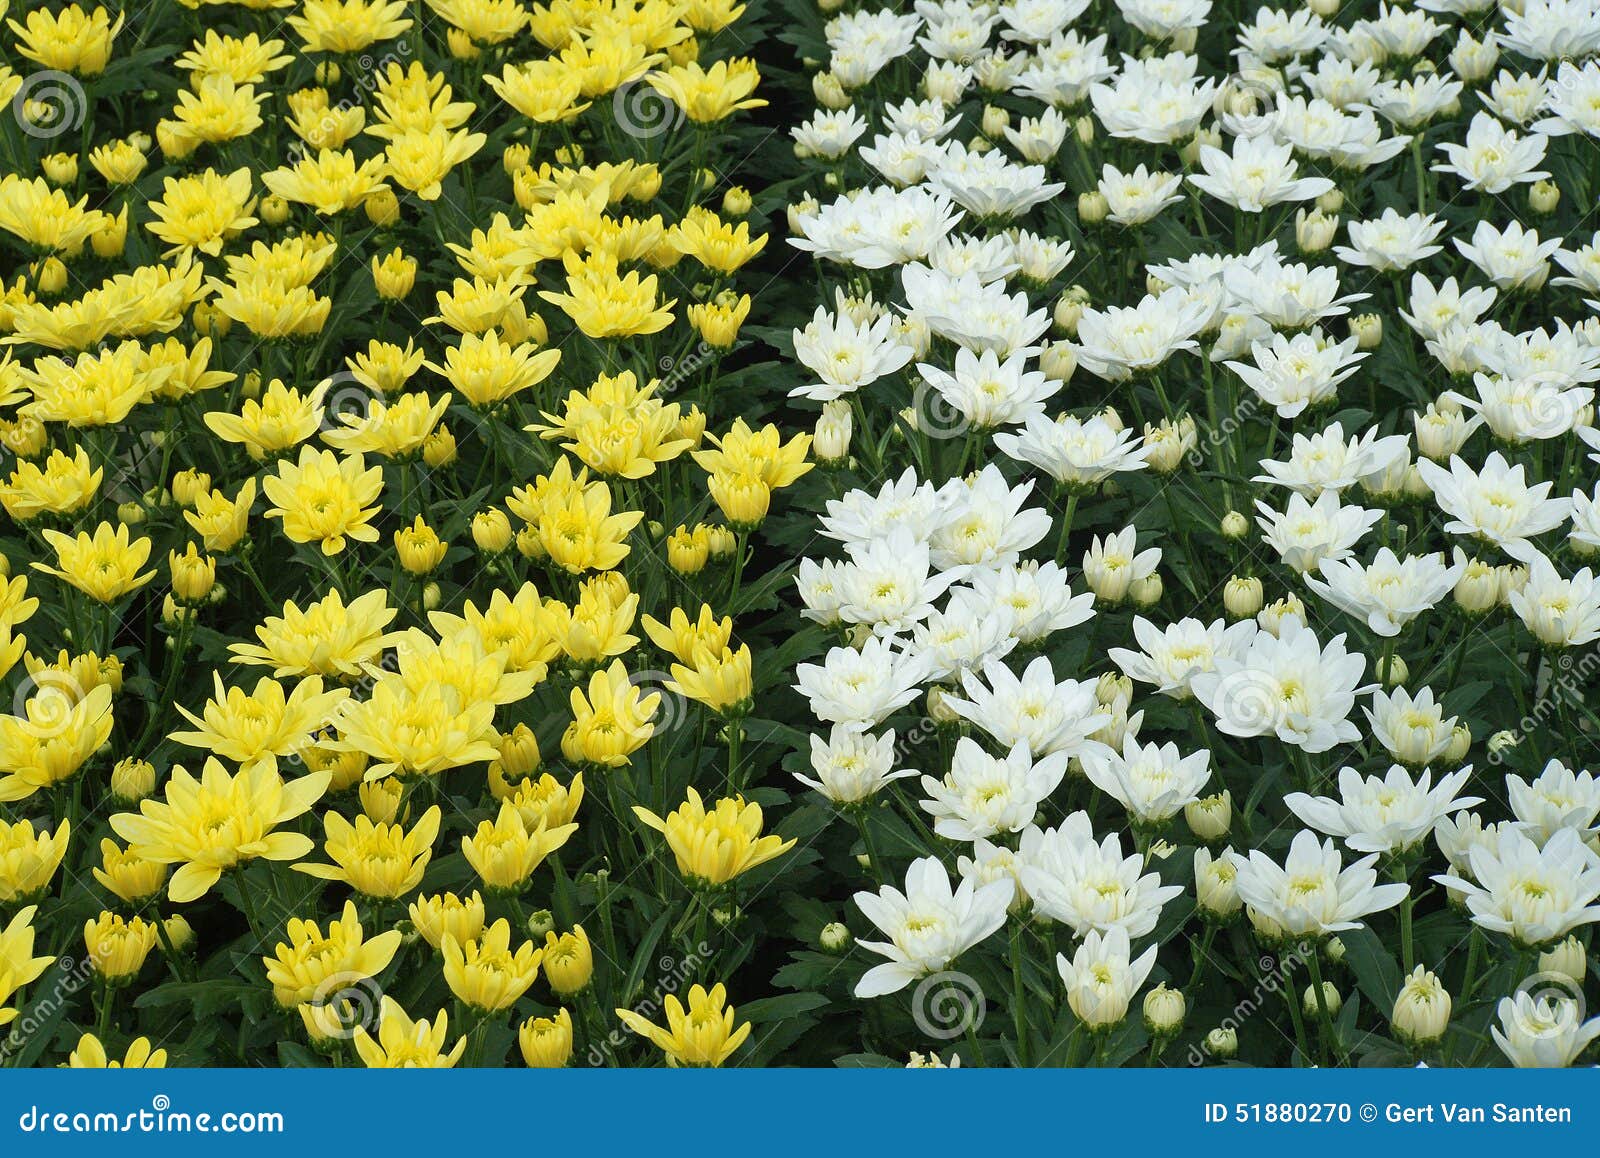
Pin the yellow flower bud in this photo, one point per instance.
(419, 547)
(117, 946)
(546, 1042)
(132, 779)
(568, 961)
(393, 275)
(193, 574)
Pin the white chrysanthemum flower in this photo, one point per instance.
(1102, 977)
(1435, 310)
(1313, 893)
(1412, 729)
(985, 522)
(1138, 196)
(1090, 886)
(1171, 656)
(1559, 612)
(1513, 258)
(1152, 781)
(1388, 814)
(1327, 461)
(1389, 592)
(1074, 451)
(852, 765)
(1392, 241)
(860, 687)
(1288, 685)
(928, 925)
(1035, 599)
(1533, 895)
(1555, 799)
(983, 795)
(1494, 503)
(1493, 157)
(1542, 1030)
(1114, 564)
(889, 584)
(1307, 534)
(1035, 709)
(846, 355)
(1257, 174)
(989, 391)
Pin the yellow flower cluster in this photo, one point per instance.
(363, 445)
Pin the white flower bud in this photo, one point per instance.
(1146, 592)
(1330, 999)
(1314, 231)
(835, 938)
(1478, 590)
(1503, 741)
(1243, 596)
(831, 443)
(1216, 885)
(1271, 617)
(1367, 330)
(1223, 1042)
(1567, 959)
(1210, 817)
(1421, 1009)
(1163, 1011)
(1059, 361)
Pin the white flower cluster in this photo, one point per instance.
(1037, 487)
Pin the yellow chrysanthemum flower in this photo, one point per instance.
(405, 1044)
(90, 1054)
(261, 725)
(447, 915)
(29, 859)
(316, 966)
(328, 638)
(485, 973)
(218, 822)
(504, 851)
(714, 847)
(702, 1035)
(60, 728)
(611, 722)
(324, 499)
(376, 860)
